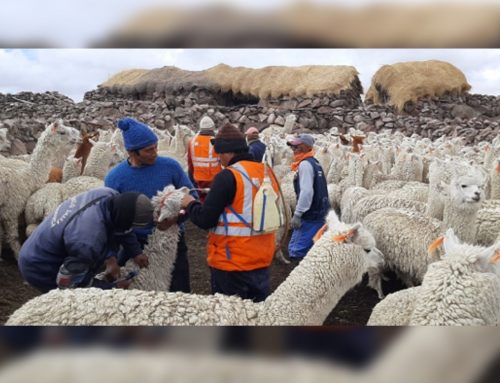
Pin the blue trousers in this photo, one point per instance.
(252, 284)
(302, 238)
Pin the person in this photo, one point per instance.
(239, 258)
(146, 172)
(203, 162)
(256, 147)
(81, 236)
(311, 190)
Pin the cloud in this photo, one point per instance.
(74, 71)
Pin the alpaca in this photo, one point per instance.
(161, 248)
(19, 182)
(335, 264)
(100, 159)
(404, 235)
(463, 288)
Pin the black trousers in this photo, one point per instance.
(180, 274)
(252, 285)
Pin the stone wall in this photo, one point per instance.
(26, 114)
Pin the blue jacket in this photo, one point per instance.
(257, 149)
(75, 233)
(320, 203)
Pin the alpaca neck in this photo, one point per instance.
(179, 147)
(462, 219)
(41, 161)
(315, 286)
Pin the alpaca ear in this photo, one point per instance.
(92, 142)
(184, 189)
(489, 258)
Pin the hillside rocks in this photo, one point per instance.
(476, 117)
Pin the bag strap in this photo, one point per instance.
(85, 207)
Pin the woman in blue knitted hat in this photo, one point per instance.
(146, 172)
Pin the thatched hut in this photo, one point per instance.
(239, 85)
(407, 82)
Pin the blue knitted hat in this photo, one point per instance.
(136, 135)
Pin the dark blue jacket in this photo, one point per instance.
(320, 203)
(75, 233)
(257, 149)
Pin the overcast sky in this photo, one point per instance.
(72, 72)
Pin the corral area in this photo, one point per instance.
(354, 308)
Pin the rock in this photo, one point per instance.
(464, 112)
(17, 147)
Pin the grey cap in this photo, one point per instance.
(302, 138)
(143, 212)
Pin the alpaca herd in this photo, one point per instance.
(395, 195)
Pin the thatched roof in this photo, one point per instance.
(272, 81)
(409, 81)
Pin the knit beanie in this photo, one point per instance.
(229, 139)
(130, 209)
(136, 135)
(206, 123)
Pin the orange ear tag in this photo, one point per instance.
(320, 233)
(496, 257)
(434, 245)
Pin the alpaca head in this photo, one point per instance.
(481, 259)
(167, 202)
(465, 190)
(357, 234)
(57, 134)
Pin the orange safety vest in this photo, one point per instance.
(206, 163)
(232, 244)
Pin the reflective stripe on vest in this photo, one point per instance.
(232, 244)
(246, 214)
(206, 163)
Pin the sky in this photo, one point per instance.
(73, 72)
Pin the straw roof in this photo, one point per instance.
(276, 81)
(272, 81)
(409, 81)
(125, 77)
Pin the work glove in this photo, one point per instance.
(296, 222)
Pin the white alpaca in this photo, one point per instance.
(45, 199)
(4, 141)
(442, 171)
(72, 168)
(22, 180)
(371, 203)
(162, 245)
(495, 180)
(461, 289)
(335, 264)
(101, 158)
(403, 235)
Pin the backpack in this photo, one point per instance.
(266, 213)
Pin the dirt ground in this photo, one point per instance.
(354, 308)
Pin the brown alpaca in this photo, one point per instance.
(55, 175)
(357, 142)
(85, 147)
